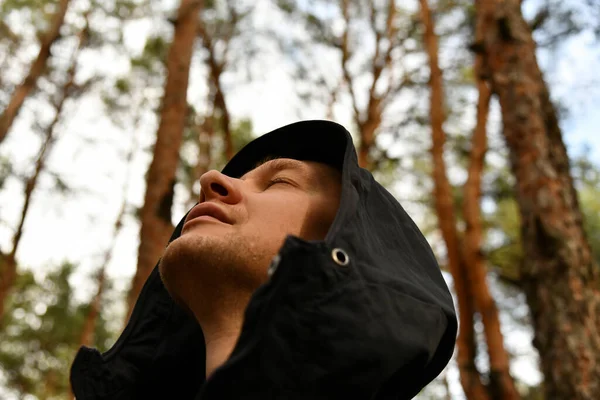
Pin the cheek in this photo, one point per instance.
(278, 218)
(318, 220)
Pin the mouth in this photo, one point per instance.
(209, 212)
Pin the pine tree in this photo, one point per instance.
(156, 225)
(8, 261)
(467, 270)
(37, 69)
(559, 275)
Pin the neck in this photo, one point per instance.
(219, 346)
(220, 336)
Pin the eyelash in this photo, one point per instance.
(277, 180)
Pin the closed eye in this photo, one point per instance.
(275, 181)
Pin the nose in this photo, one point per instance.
(215, 185)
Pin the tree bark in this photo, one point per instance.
(9, 267)
(501, 382)
(36, 70)
(156, 225)
(205, 136)
(560, 277)
(501, 385)
(469, 376)
(216, 68)
(219, 104)
(50, 383)
(8, 262)
(89, 325)
(87, 332)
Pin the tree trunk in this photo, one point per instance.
(35, 71)
(50, 384)
(224, 118)
(205, 136)
(87, 332)
(89, 325)
(156, 225)
(219, 104)
(469, 376)
(8, 266)
(559, 275)
(216, 69)
(501, 382)
(501, 385)
(367, 140)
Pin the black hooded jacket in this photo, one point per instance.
(363, 314)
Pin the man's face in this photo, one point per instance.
(251, 217)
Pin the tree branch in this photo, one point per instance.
(345, 57)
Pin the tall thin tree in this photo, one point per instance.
(87, 332)
(86, 337)
(469, 375)
(204, 135)
(559, 274)
(156, 225)
(217, 62)
(501, 383)
(8, 262)
(35, 71)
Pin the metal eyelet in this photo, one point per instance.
(274, 264)
(340, 257)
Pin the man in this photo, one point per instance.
(296, 276)
(229, 238)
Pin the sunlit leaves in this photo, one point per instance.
(41, 333)
(154, 55)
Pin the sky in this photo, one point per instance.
(78, 227)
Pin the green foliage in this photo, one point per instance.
(287, 6)
(505, 253)
(39, 11)
(128, 9)
(41, 333)
(587, 179)
(242, 133)
(5, 170)
(590, 204)
(122, 85)
(154, 56)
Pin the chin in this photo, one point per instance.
(178, 267)
(197, 267)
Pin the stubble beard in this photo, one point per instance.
(204, 273)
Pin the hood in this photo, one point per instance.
(364, 313)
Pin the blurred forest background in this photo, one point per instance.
(464, 109)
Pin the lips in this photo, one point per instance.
(208, 209)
